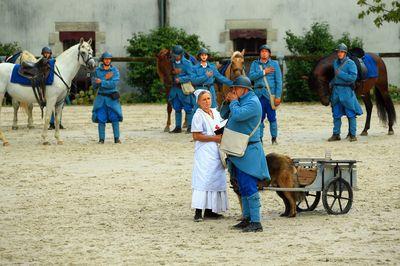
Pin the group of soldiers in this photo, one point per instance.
(204, 74)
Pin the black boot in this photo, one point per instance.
(243, 224)
(61, 126)
(335, 137)
(189, 130)
(101, 141)
(176, 130)
(211, 215)
(253, 227)
(117, 141)
(197, 215)
(273, 141)
(51, 126)
(352, 138)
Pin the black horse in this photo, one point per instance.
(323, 73)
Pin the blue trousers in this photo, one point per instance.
(104, 115)
(337, 111)
(270, 114)
(250, 196)
(178, 105)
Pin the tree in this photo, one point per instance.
(143, 75)
(318, 42)
(385, 12)
(8, 49)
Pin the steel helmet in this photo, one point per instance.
(243, 82)
(106, 55)
(46, 50)
(342, 47)
(203, 51)
(177, 50)
(264, 46)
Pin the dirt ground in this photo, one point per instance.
(85, 203)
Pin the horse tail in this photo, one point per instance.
(385, 106)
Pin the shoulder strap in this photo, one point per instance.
(254, 130)
(265, 81)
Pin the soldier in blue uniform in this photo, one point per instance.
(182, 71)
(106, 106)
(243, 111)
(266, 67)
(343, 98)
(205, 74)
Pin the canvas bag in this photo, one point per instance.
(235, 143)
(187, 88)
(271, 97)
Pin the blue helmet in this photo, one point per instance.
(341, 47)
(264, 46)
(242, 81)
(203, 51)
(177, 50)
(106, 55)
(46, 50)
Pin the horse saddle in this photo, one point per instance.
(357, 54)
(31, 70)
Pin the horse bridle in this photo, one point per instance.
(80, 55)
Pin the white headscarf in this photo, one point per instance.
(198, 92)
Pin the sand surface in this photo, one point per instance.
(82, 202)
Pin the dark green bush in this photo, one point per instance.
(317, 41)
(7, 49)
(143, 75)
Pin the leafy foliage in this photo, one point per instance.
(143, 75)
(317, 41)
(384, 11)
(8, 49)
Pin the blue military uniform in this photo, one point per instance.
(176, 96)
(274, 79)
(243, 116)
(343, 98)
(201, 81)
(105, 108)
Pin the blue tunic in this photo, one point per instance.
(201, 81)
(243, 116)
(107, 86)
(343, 94)
(185, 76)
(274, 78)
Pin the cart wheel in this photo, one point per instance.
(337, 197)
(310, 201)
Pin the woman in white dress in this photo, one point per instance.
(209, 177)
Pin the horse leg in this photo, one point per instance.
(368, 106)
(15, 105)
(286, 202)
(169, 111)
(30, 116)
(2, 136)
(57, 120)
(49, 111)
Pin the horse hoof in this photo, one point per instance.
(391, 132)
(364, 133)
(60, 142)
(14, 127)
(6, 144)
(166, 129)
(46, 143)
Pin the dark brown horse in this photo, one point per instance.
(323, 73)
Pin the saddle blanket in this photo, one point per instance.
(17, 78)
(371, 66)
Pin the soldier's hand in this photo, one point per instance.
(277, 101)
(230, 96)
(109, 75)
(98, 81)
(268, 70)
(176, 71)
(209, 73)
(177, 80)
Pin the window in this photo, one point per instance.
(248, 39)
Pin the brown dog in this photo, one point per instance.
(282, 171)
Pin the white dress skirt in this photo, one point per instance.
(209, 176)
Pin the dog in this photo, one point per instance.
(283, 174)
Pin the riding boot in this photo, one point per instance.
(115, 126)
(353, 128)
(273, 129)
(102, 131)
(189, 116)
(254, 207)
(198, 215)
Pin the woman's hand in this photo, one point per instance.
(218, 138)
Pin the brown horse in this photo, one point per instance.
(323, 73)
(234, 69)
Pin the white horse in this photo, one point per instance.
(25, 56)
(68, 64)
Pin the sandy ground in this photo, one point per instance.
(130, 204)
